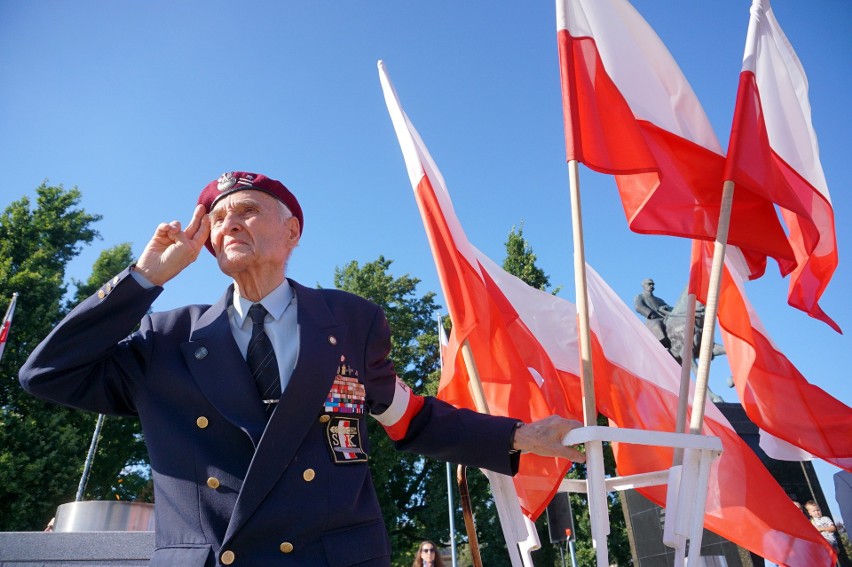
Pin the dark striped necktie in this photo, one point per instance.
(261, 359)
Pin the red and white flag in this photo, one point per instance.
(745, 504)
(7, 323)
(630, 112)
(517, 376)
(525, 343)
(775, 395)
(773, 153)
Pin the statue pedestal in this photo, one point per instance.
(104, 516)
(89, 549)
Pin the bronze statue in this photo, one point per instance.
(676, 329)
(669, 325)
(655, 311)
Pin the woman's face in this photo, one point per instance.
(428, 552)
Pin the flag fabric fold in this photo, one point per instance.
(775, 395)
(525, 344)
(630, 112)
(773, 153)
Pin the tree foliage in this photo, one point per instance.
(43, 446)
(521, 261)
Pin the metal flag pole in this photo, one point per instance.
(442, 341)
(453, 548)
(87, 467)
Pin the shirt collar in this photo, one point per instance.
(275, 302)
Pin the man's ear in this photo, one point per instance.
(294, 231)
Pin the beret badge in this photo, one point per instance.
(226, 181)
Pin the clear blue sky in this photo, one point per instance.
(140, 104)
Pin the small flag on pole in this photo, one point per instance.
(7, 322)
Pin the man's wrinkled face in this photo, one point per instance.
(251, 230)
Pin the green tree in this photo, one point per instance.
(521, 262)
(42, 446)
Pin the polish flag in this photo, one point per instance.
(773, 153)
(517, 376)
(525, 344)
(7, 323)
(744, 502)
(630, 112)
(775, 395)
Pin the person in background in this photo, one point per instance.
(427, 556)
(822, 523)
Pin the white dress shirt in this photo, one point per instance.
(280, 323)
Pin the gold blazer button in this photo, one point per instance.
(286, 547)
(309, 475)
(213, 482)
(202, 422)
(227, 557)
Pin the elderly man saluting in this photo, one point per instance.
(254, 408)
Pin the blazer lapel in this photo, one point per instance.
(321, 339)
(215, 361)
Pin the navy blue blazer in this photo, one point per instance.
(230, 487)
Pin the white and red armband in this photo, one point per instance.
(397, 417)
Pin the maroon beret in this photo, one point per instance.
(234, 181)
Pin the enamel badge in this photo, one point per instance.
(345, 441)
